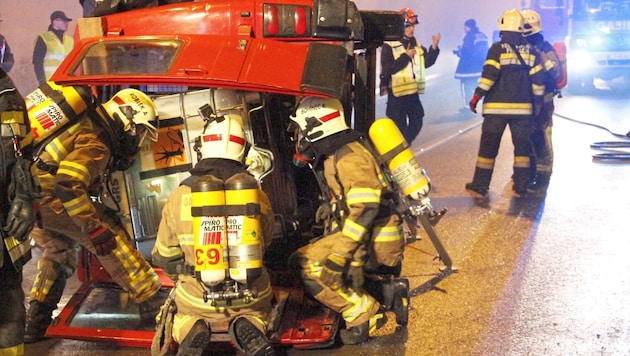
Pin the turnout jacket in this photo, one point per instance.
(352, 172)
(511, 87)
(175, 241)
(550, 62)
(73, 162)
(16, 186)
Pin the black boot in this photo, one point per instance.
(361, 333)
(38, 318)
(481, 181)
(396, 297)
(39, 314)
(251, 340)
(197, 340)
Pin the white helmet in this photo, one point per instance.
(136, 111)
(223, 137)
(319, 117)
(532, 22)
(512, 21)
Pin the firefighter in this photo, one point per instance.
(367, 234)
(200, 312)
(71, 169)
(16, 214)
(542, 149)
(512, 87)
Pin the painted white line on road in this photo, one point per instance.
(442, 140)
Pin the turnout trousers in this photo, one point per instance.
(491, 133)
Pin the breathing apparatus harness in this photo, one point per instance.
(122, 150)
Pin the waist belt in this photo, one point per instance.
(190, 270)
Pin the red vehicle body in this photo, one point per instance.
(273, 52)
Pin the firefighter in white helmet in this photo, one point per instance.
(366, 234)
(512, 87)
(72, 168)
(541, 160)
(221, 149)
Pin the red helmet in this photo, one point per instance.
(410, 17)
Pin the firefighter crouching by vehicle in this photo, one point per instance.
(74, 163)
(367, 234)
(207, 296)
(16, 214)
(542, 149)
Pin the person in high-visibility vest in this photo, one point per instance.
(52, 47)
(402, 76)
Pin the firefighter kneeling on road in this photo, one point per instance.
(203, 227)
(367, 234)
(75, 160)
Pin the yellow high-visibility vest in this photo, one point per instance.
(56, 51)
(411, 79)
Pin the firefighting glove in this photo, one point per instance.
(104, 241)
(323, 213)
(354, 276)
(22, 214)
(473, 103)
(21, 218)
(332, 271)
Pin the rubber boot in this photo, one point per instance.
(38, 318)
(396, 297)
(521, 180)
(39, 315)
(481, 181)
(196, 341)
(361, 333)
(392, 293)
(250, 339)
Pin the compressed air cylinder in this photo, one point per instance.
(51, 106)
(394, 150)
(210, 244)
(243, 228)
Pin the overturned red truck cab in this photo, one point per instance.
(272, 52)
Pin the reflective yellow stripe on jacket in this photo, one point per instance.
(411, 79)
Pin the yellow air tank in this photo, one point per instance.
(395, 152)
(50, 107)
(243, 228)
(208, 212)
